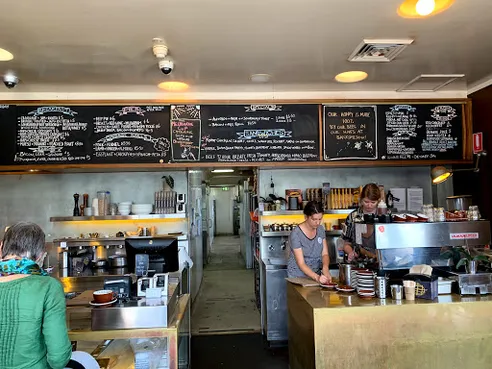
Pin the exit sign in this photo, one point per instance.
(477, 142)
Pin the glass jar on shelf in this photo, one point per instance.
(473, 213)
(439, 215)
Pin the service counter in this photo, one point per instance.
(331, 330)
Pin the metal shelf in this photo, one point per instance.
(119, 217)
(275, 234)
(300, 212)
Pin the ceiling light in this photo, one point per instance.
(260, 78)
(222, 170)
(351, 76)
(173, 86)
(6, 55)
(159, 48)
(425, 7)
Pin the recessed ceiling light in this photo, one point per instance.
(6, 55)
(423, 8)
(351, 76)
(260, 78)
(173, 86)
(222, 170)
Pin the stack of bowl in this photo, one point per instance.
(365, 284)
(141, 209)
(124, 208)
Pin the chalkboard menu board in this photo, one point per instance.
(185, 132)
(91, 134)
(421, 132)
(260, 133)
(7, 133)
(350, 132)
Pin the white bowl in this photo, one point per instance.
(126, 203)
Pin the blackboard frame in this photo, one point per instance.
(124, 167)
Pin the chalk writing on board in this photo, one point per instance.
(185, 132)
(129, 133)
(350, 132)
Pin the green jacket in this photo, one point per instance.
(33, 330)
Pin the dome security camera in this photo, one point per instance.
(166, 66)
(10, 80)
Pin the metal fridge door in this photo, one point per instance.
(276, 291)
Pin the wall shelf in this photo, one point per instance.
(300, 212)
(275, 234)
(119, 217)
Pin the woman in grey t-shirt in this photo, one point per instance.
(308, 247)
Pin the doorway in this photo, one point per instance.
(226, 303)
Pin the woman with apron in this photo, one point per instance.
(369, 199)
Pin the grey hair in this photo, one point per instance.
(23, 239)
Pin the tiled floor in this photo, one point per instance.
(226, 302)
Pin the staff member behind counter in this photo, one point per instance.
(308, 248)
(370, 197)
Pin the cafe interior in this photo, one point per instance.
(156, 141)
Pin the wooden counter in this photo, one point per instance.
(332, 330)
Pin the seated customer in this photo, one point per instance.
(33, 331)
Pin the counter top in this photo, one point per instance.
(322, 298)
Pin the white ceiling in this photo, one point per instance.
(105, 45)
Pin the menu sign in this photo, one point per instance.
(421, 132)
(51, 134)
(185, 132)
(350, 132)
(260, 133)
(97, 134)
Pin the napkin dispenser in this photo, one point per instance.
(427, 287)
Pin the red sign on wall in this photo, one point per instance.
(477, 142)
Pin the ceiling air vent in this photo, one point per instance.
(379, 50)
(429, 82)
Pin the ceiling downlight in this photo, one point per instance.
(173, 86)
(6, 55)
(351, 76)
(409, 8)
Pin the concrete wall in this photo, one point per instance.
(345, 177)
(36, 198)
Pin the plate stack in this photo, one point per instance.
(365, 284)
(141, 209)
(124, 208)
(353, 277)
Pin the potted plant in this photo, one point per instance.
(462, 257)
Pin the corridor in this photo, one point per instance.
(226, 302)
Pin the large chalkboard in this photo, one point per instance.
(7, 133)
(350, 132)
(185, 132)
(421, 132)
(260, 133)
(91, 134)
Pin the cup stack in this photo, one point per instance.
(409, 290)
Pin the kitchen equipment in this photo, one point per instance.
(461, 202)
(121, 286)
(293, 198)
(396, 292)
(144, 231)
(76, 211)
(101, 263)
(117, 261)
(345, 271)
(293, 203)
(181, 198)
(381, 285)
